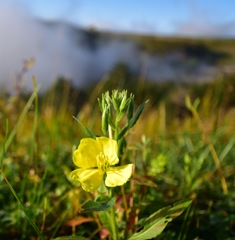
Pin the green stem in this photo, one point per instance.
(113, 224)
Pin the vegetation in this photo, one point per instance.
(182, 147)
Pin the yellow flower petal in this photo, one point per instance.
(85, 155)
(110, 149)
(117, 176)
(90, 179)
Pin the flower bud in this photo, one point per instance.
(123, 104)
(105, 117)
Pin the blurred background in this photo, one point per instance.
(177, 41)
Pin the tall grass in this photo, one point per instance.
(173, 161)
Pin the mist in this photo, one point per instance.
(60, 50)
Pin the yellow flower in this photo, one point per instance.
(96, 158)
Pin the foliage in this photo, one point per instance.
(172, 155)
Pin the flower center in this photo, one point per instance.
(102, 162)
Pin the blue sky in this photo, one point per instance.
(180, 17)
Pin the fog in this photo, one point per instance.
(60, 50)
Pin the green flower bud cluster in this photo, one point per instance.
(120, 100)
(118, 114)
(114, 107)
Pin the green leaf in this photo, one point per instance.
(130, 109)
(133, 120)
(155, 224)
(137, 114)
(188, 102)
(196, 103)
(191, 105)
(105, 219)
(100, 204)
(123, 132)
(89, 132)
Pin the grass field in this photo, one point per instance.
(181, 149)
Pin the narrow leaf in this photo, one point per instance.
(91, 206)
(132, 121)
(155, 224)
(89, 132)
(123, 132)
(21, 118)
(137, 114)
(188, 102)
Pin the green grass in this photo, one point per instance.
(171, 151)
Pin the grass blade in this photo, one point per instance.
(21, 118)
(22, 207)
(89, 132)
(156, 223)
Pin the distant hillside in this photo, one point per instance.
(216, 51)
(171, 58)
(87, 56)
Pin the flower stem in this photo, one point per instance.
(113, 224)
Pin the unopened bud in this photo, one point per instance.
(105, 117)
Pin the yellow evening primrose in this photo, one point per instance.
(95, 158)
